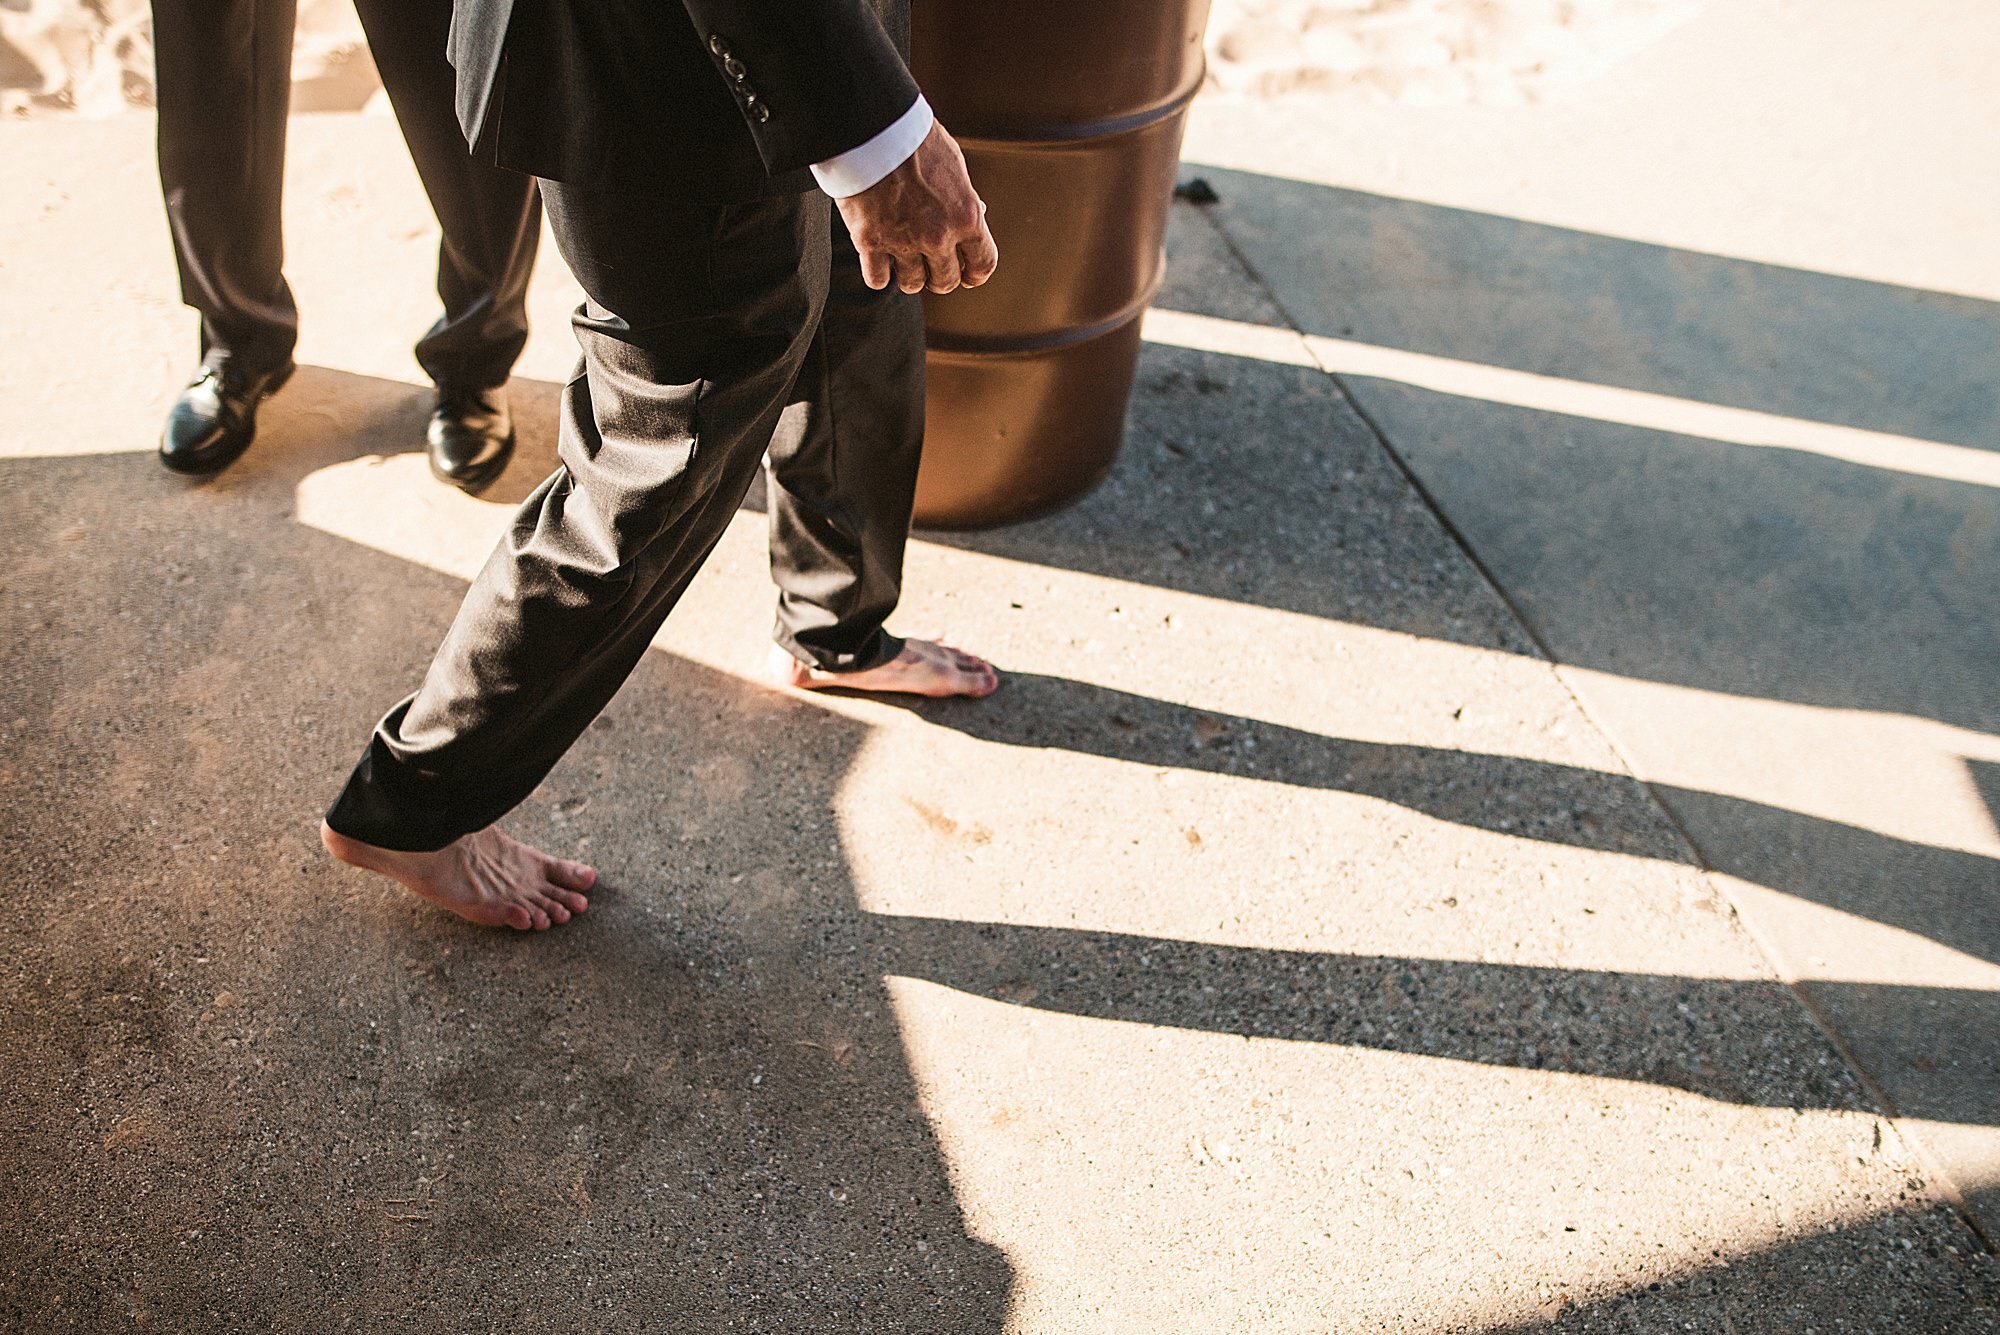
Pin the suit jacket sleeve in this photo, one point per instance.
(811, 78)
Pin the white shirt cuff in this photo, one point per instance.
(855, 170)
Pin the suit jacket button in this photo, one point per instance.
(718, 46)
(735, 68)
(758, 111)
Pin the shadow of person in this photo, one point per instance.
(324, 417)
(270, 1094)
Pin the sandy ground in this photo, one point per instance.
(93, 56)
(1430, 52)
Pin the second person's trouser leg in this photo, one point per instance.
(491, 217)
(697, 321)
(843, 472)
(224, 78)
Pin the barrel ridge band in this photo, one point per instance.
(1001, 345)
(999, 138)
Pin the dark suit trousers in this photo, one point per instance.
(698, 321)
(841, 473)
(224, 85)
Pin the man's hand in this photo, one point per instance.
(923, 226)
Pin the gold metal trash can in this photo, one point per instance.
(1070, 115)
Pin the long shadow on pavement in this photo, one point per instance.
(259, 1092)
(1766, 573)
(1800, 1286)
(1560, 804)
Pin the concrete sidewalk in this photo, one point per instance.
(1701, 370)
(1290, 946)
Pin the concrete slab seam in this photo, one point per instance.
(1947, 1188)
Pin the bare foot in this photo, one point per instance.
(487, 877)
(925, 667)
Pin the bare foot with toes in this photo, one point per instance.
(486, 877)
(924, 667)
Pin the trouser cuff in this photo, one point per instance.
(392, 804)
(877, 649)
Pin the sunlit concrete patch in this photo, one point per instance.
(939, 823)
(391, 504)
(1148, 1178)
(1905, 777)
(1603, 403)
(1658, 412)
(1235, 338)
(1827, 943)
(84, 198)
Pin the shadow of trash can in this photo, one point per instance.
(1070, 113)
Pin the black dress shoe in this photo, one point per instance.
(471, 437)
(215, 418)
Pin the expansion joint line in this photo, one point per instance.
(1697, 856)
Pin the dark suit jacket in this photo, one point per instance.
(713, 100)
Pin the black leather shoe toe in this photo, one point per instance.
(215, 418)
(471, 438)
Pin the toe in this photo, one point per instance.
(565, 875)
(977, 676)
(519, 918)
(970, 662)
(538, 918)
(569, 899)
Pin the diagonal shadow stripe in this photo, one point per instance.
(1818, 860)
(1585, 306)
(1713, 1037)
